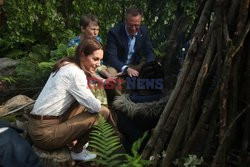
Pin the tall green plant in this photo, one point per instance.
(105, 143)
(54, 22)
(37, 66)
(135, 160)
(29, 71)
(7, 79)
(30, 22)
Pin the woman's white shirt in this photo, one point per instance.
(62, 89)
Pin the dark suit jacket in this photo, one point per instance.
(116, 51)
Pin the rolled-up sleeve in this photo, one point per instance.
(80, 91)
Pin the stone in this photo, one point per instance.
(15, 103)
(55, 158)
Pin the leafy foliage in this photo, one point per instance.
(36, 67)
(28, 69)
(61, 51)
(7, 79)
(4, 46)
(53, 23)
(135, 160)
(6, 51)
(30, 22)
(105, 143)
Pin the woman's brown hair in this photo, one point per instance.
(85, 48)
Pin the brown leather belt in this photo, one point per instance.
(43, 117)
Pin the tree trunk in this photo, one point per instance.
(175, 141)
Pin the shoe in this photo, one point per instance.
(85, 155)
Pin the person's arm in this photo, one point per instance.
(106, 74)
(81, 92)
(102, 70)
(97, 78)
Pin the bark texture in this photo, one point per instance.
(207, 113)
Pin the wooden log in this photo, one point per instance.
(198, 34)
(176, 138)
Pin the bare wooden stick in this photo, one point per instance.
(226, 135)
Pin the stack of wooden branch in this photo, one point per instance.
(208, 109)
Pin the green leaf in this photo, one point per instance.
(46, 65)
(15, 54)
(8, 79)
(105, 144)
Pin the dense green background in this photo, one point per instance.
(37, 31)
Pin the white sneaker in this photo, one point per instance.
(85, 155)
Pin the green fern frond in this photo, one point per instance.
(107, 146)
(4, 45)
(8, 79)
(15, 54)
(115, 156)
(135, 160)
(114, 163)
(62, 51)
(46, 65)
(137, 144)
(40, 53)
(105, 143)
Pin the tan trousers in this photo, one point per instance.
(56, 133)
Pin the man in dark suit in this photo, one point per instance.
(128, 45)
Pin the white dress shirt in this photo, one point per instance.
(131, 49)
(62, 89)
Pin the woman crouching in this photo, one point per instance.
(66, 109)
